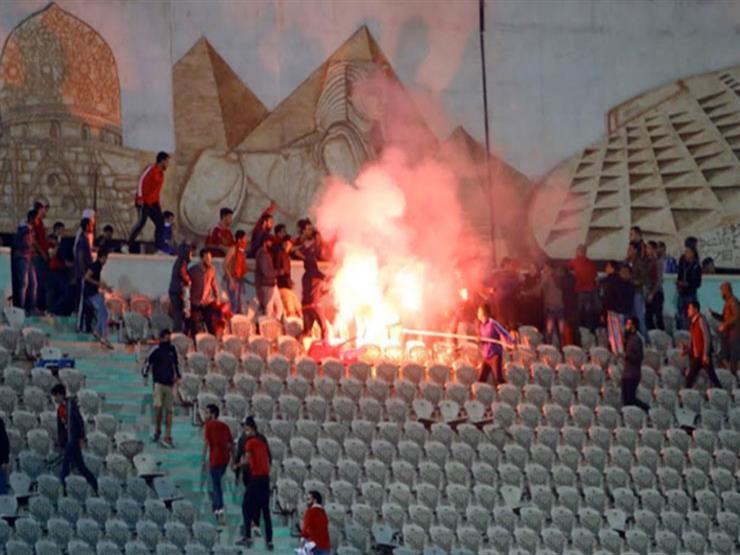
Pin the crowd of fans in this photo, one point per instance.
(562, 298)
(62, 276)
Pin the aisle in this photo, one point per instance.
(114, 375)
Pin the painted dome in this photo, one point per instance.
(55, 64)
(669, 164)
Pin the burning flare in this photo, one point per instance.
(400, 247)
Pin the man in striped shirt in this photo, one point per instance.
(147, 201)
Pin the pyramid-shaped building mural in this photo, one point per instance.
(670, 165)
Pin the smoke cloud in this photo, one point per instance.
(403, 246)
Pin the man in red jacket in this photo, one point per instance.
(316, 525)
(147, 201)
(700, 348)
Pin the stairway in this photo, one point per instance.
(115, 376)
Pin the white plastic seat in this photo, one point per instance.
(542, 375)
(483, 392)
(307, 368)
(523, 435)
(343, 492)
(503, 414)
(529, 414)
(555, 415)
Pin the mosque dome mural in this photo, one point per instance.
(56, 65)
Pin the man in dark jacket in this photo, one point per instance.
(162, 362)
(313, 282)
(71, 435)
(617, 289)
(179, 283)
(632, 372)
(265, 281)
(83, 259)
(688, 281)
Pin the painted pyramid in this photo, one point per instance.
(213, 107)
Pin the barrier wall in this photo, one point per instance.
(149, 275)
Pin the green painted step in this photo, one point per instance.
(114, 375)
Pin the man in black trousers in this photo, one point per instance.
(71, 435)
(632, 372)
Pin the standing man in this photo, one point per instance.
(492, 353)
(59, 298)
(265, 281)
(552, 299)
(313, 280)
(91, 293)
(221, 238)
(162, 362)
(71, 435)
(291, 304)
(83, 259)
(315, 527)
(261, 230)
(217, 442)
(204, 293)
(729, 328)
(41, 252)
(700, 347)
(235, 271)
(654, 289)
(639, 266)
(23, 249)
(632, 373)
(585, 274)
(147, 201)
(179, 286)
(256, 461)
(688, 281)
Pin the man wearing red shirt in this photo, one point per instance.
(221, 238)
(585, 273)
(235, 270)
(255, 463)
(316, 525)
(147, 201)
(41, 253)
(217, 443)
(700, 348)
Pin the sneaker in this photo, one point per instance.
(247, 542)
(270, 547)
(167, 443)
(256, 531)
(155, 438)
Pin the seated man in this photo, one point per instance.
(168, 234)
(221, 238)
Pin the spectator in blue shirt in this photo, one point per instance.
(492, 352)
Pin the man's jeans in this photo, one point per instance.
(217, 496)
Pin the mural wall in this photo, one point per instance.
(60, 124)
(670, 164)
(61, 140)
